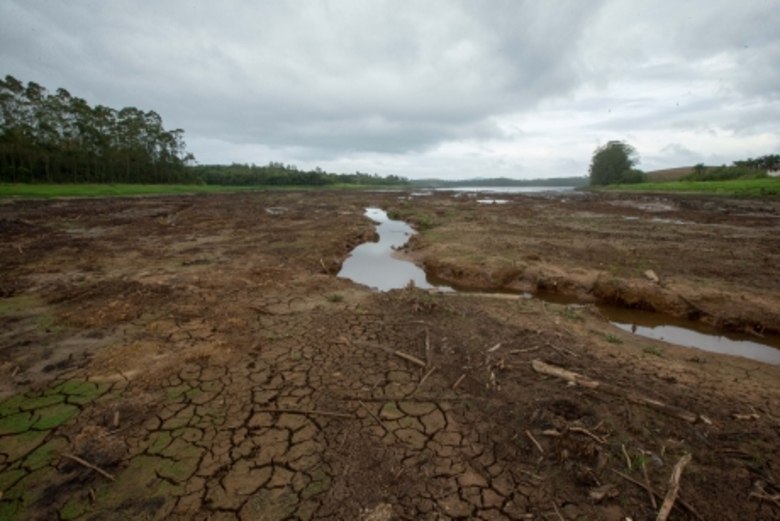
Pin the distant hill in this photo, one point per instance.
(501, 181)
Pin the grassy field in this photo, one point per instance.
(738, 187)
(107, 190)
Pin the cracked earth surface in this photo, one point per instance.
(200, 354)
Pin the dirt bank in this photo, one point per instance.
(194, 357)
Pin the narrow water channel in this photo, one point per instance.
(374, 264)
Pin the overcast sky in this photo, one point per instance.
(449, 89)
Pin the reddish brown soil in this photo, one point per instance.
(200, 350)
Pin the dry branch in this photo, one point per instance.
(674, 488)
(425, 377)
(88, 465)
(396, 352)
(428, 352)
(559, 372)
(584, 381)
(680, 503)
(586, 432)
(308, 412)
(531, 437)
(458, 381)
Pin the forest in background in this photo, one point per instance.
(60, 138)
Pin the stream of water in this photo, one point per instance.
(375, 264)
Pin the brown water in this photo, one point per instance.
(373, 264)
(693, 334)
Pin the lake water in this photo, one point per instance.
(507, 189)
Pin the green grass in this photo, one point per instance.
(739, 187)
(108, 190)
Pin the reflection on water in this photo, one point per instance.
(692, 334)
(373, 263)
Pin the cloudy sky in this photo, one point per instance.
(449, 89)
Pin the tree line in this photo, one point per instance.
(614, 163)
(278, 174)
(58, 137)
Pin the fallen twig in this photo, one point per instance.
(647, 481)
(625, 454)
(559, 372)
(746, 417)
(88, 465)
(586, 432)
(15, 371)
(584, 381)
(528, 350)
(494, 348)
(557, 512)
(409, 358)
(396, 352)
(308, 412)
(763, 496)
(425, 377)
(324, 268)
(458, 381)
(679, 504)
(428, 352)
(674, 487)
(531, 437)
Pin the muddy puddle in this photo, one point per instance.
(375, 264)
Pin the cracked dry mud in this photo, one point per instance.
(195, 350)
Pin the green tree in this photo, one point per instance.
(614, 163)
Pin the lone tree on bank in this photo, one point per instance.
(614, 163)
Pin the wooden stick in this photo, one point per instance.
(584, 381)
(560, 517)
(680, 503)
(88, 465)
(625, 453)
(458, 381)
(494, 348)
(674, 488)
(528, 350)
(425, 377)
(409, 358)
(428, 353)
(559, 372)
(308, 412)
(647, 481)
(531, 437)
(324, 268)
(586, 432)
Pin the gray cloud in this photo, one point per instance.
(341, 81)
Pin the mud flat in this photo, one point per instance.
(196, 357)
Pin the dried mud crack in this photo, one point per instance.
(200, 360)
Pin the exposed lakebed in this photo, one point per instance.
(376, 265)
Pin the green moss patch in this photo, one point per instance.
(38, 402)
(55, 416)
(44, 454)
(16, 423)
(19, 445)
